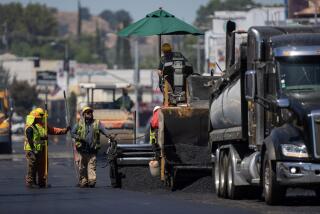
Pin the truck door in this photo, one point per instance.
(271, 84)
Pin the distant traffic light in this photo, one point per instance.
(36, 60)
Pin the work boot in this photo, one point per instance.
(85, 185)
(42, 186)
(92, 185)
(31, 186)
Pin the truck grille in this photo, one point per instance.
(315, 119)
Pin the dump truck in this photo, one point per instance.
(182, 136)
(265, 113)
(5, 122)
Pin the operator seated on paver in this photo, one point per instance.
(86, 133)
(124, 102)
(170, 63)
(35, 137)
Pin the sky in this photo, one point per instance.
(183, 9)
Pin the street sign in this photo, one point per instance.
(46, 78)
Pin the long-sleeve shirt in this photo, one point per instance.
(89, 136)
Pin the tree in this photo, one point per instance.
(40, 20)
(110, 17)
(123, 48)
(24, 96)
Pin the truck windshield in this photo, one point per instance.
(299, 73)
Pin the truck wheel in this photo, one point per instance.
(233, 191)
(216, 177)
(223, 175)
(272, 191)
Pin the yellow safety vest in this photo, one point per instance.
(153, 136)
(82, 132)
(38, 132)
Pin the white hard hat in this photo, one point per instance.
(156, 108)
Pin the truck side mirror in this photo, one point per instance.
(250, 85)
(283, 102)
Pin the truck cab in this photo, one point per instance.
(272, 143)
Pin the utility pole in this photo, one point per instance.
(136, 84)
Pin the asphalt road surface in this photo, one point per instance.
(138, 195)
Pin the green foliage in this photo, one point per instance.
(34, 19)
(24, 96)
(116, 19)
(40, 21)
(216, 5)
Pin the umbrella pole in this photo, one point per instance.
(159, 46)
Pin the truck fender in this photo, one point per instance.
(279, 135)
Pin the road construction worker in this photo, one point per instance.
(125, 102)
(51, 131)
(86, 133)
(35, 137)
(168, 57)
(154, 126)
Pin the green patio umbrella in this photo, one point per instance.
(159, 22)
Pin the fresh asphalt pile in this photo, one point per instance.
(140, 179)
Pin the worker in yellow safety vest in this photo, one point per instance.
(86, 133)
(35, 139)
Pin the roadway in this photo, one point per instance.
(137, 196)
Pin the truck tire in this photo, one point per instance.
(223, 175)
(272, 191)
(232, 189)
(215, 177)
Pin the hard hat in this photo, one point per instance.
(166, 47)
(156, 108)
(35, 114)
(40, 111)
(87, 108)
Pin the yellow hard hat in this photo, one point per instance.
(166, 47)
(87, 108)
(40, 111)
(35, 114)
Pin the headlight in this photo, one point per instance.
(296, 151)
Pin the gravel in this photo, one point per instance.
(140, 179)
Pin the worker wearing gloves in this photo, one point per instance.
(50, 131)
(33, 146)
(35, 137)
(86, 133)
